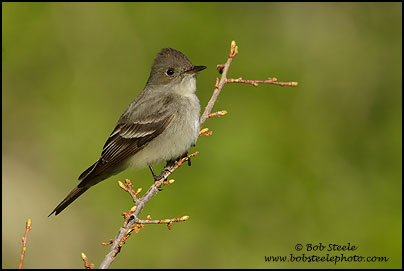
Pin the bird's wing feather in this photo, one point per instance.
(129, 136)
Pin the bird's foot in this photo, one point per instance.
(166, 169)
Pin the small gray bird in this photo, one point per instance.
(161, 124)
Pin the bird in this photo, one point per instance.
(160, 124)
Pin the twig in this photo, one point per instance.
(218, 113)
(256, 82)
(85, 260)
(223, 69)
(219, 84)
(24, 241)
(130, 189)
(204, 132)
(162, 221)
(131, 218)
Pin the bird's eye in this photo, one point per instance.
(170, 72)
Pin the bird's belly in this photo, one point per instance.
(177, 138)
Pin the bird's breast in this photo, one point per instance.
(177, 138)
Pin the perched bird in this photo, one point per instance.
(161, 124)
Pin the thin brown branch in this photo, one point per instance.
(109, 243)
(218, 113)
(219, 83)
(131, 218)
(255, 83)
(24, 241)
(130, 190)
(167, 221)
(223, 69)
(162, 221)
(85, 260)
(204, 132)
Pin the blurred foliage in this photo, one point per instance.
(316, 163)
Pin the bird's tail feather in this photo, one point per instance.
(73, 195)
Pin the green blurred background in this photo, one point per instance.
(316, 163)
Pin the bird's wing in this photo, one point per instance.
(128, 137)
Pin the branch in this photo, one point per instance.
(131, 220)
(131, 217)
(24, 241)
(85, 260)
(256, 82)
(219, 84)
(223, 69)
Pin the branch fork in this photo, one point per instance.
(131, 220)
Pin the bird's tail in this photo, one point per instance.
(76, 192)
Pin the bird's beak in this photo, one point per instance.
(195, 69)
